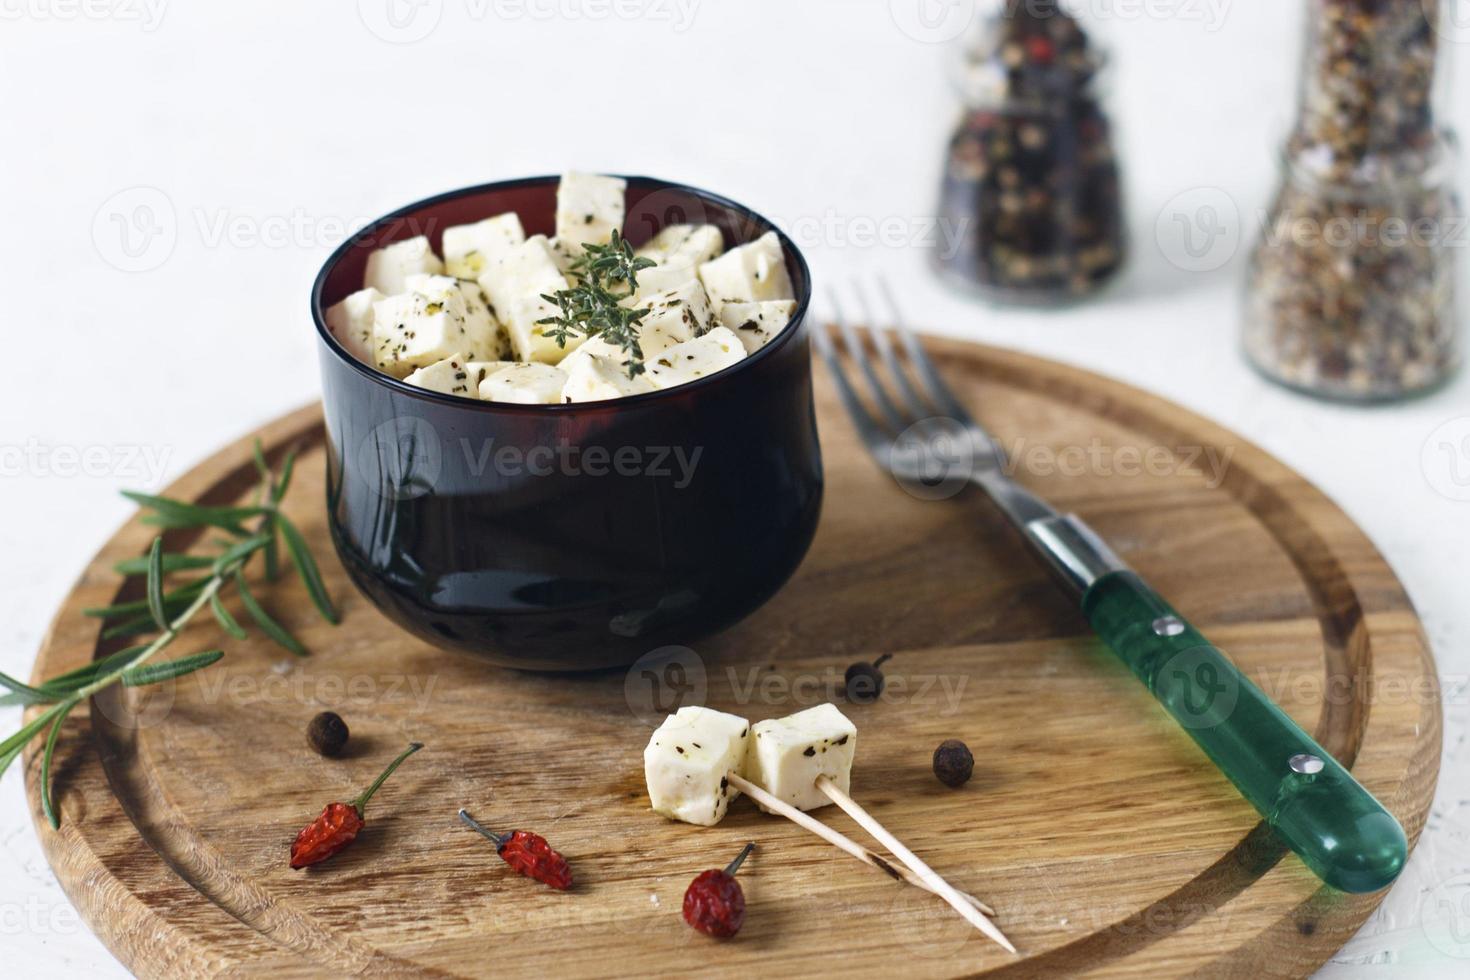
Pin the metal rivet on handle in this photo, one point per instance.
(1306, 763)
(1168, 626)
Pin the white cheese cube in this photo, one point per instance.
(680, 314)
(595, 379)
(450, 376)
(480, 370)
(351, 322)
(679, 244)
(488, 338)
(786, 755)
(662, 278)
(515, 286)
(589, 208)
(468, 249)
(749, 274)
(687, 761)
(525, 384)
(695, 358)
(564, 254)
(416, 329)
(388, 268)
(756, 323)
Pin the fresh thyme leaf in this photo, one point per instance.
(594, 306)
(226, 621)
(155, 585)
(269, 626)
(154, 673)
(306, 567)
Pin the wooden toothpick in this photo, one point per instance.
(938, 885)
(845, 843)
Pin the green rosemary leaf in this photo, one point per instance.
(307, 568)
(179, 597)
(11, 747)
(269, 626)
(155, 586)
(176, 513)
(272, 552)
(48, 804)
(136, 626)
(171, 563)
(22, 693)
(257, 453)
(228, 622)
(288, 466)
(64, 684)
(239, 551)
(154, 673)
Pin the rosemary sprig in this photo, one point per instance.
(605, 275)
(168, 611)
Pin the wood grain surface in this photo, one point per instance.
(1104, 838)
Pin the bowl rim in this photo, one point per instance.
(318, 311)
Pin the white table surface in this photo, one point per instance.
(259, 133)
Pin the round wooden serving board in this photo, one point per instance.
(1105, 839)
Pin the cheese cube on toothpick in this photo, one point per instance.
(786, 755)
(687, 763)
(388, 268)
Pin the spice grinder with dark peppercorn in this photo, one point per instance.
(1031, 200)
(1352, 289)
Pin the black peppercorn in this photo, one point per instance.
(327, 733)
(953, 762)
(864, 681)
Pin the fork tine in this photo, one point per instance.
(939, 392)
(855, 350)
(872, 433)
(920, 408)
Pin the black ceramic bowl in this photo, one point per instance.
(570, 537)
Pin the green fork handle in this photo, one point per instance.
(1312, 803)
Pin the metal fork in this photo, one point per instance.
(927, 439)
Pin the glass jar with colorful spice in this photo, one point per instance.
(1031, 196)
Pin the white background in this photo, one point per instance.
(261, 132)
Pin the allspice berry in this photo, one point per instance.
(953, 763)
(864, 681)
(327, 733)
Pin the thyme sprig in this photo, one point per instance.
(606, 276)
(259, 528)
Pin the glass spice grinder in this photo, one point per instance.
(1030, 197)
(1351, 291)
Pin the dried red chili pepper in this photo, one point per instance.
(714, 903)
(528, 853)
(339, 824)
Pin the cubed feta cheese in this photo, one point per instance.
(662, 278)
(351, 322)
(515, 286)
(680, 314)
(595, 379)
(417, 328)
(589, 208)
(468, 249)
(684, 244)
(687, 761)
(525, 384)
(388, 268)
(695, 358)
(786, 755)
(480, 370)
(450, 376)
(756, 323)
(749, 274)
(565, 254)
(488, 337)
